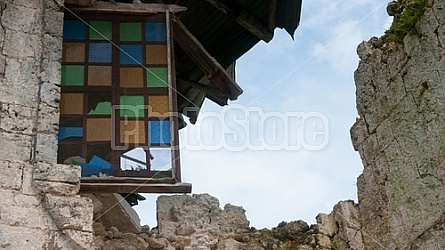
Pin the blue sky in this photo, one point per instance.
(313, 73)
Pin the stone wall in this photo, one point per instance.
(197, 222)
(39, 208)
(400, 136)
(30, 55)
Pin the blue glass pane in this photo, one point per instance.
(159, 132)
(74, 29)
(99, 52)
(67, 132)
(155, 32)
(131, 54)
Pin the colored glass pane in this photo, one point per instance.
(72, 75)
(99, 103)
(131, 54)
(159, 106)
(132, 132)
(74, 29)
(99, 52)
(159, 132)
(98, 129)
(68, 132)
(73, 52)
(132, 106)
(99, 75)
(130, 32)
(157, 77)
(156, 54)
(71, 103)
(100, 30)
(155, 32)
(132, 77)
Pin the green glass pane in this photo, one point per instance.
(100, 30)
(157, 77)
(102, 108)
(130, 32)
(132, 106)
(72, 75)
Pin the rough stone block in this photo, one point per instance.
(53, 22)
(21, 18)
(326, 224)
(50, 92)
(52, 49)
(46, 147)
(70, 213)
(11, 174)
(20, 83)
(30, 45)
(22, 238)
(48, 119)
(24, 217)
(36, 4)
(56, 188)
(15, 198)
(57, 173)
(17, 118)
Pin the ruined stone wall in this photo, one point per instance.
(400, 136)
(39, 208)
(30, 55)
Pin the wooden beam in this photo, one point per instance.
(135, 180)
(125, 8)
(246, 20)
(134, 188)
(206, 88)
(272, 13)
(199, 55)
(255, 27)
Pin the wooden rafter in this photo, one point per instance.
(271, 16)
(246, 20)
(196, 51)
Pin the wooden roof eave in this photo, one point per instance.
(208, 64)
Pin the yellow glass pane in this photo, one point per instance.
(98, 129)
(132, 132)
(131, 77)
(99, 75)
(71, 103)
(73, 52)
(159, 106)
(156, 54)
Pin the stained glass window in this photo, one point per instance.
(115, 95)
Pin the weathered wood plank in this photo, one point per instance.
(134, 188)
(111, 179)
(208, 64)
(125, 8)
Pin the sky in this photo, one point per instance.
(282, 151)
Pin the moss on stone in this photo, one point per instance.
(405, 23)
